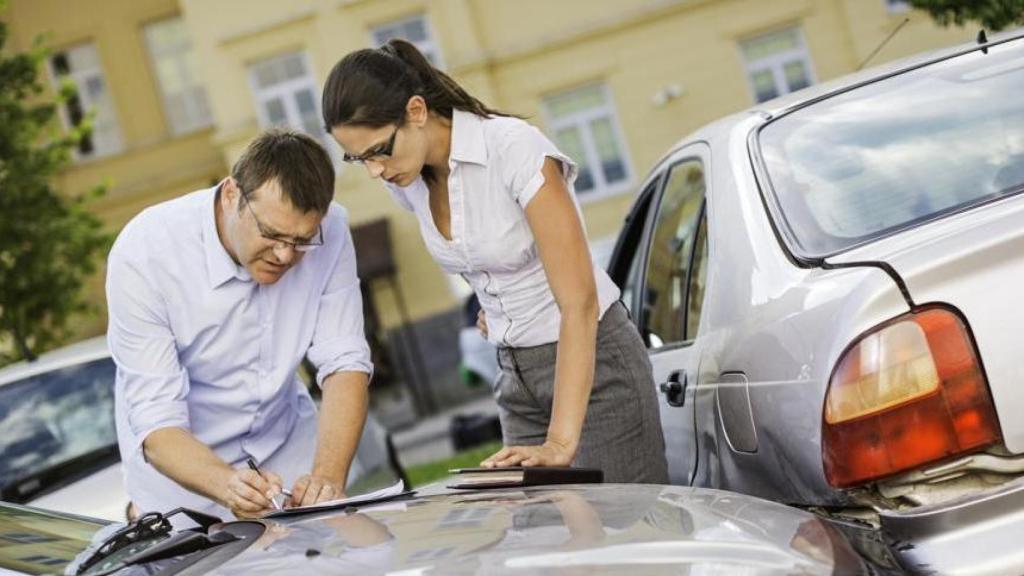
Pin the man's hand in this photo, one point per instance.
(547, 454)
(248, 494)
(311, 489)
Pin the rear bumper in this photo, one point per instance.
(977, 534)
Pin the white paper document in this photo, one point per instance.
(383, 495)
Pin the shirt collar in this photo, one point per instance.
(468, 138)
(220, 267)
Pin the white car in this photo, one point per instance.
(58, 442)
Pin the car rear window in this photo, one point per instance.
(51, 418)
(898, 152)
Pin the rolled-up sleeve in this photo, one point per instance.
(522, 155)
(339, 344)
(151, 383)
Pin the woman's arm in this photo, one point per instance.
(562, 245)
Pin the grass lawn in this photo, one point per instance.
(423, 474)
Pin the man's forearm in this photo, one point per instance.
(177, 454)
(342, 415)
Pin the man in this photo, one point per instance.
(214, 299)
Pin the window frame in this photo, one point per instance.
(776, 62)
(79, 78)
(632, 237)
(285, 91)
(699, 151)
(195, 121)
(581, 121)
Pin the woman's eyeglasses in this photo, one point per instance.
(382, 151)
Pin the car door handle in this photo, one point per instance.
(675, 388)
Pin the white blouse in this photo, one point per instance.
(495, 168)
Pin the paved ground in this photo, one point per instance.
(428, 440)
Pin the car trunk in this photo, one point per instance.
(973, 261)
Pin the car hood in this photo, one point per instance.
(973, 261)
(604, 528)
(99, 495)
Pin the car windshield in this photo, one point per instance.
(898, 152)
(51, 418)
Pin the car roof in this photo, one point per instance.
(77, 353)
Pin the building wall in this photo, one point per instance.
(510, 54)
(513, 54)
(153, 164)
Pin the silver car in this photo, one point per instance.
(829, 285)
(591, 529)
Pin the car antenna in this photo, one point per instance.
(983, 39)
(884, 42)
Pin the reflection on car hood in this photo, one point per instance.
(600, 528)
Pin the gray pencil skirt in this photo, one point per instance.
(622, 430)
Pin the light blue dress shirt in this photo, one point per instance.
(200, 345)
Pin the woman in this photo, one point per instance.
(495, 203)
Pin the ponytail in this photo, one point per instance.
(372, 87)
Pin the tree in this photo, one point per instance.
(994, 15)
(48, 242)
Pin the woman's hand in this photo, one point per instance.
(547, 454)
(312, 489)
(481, 323)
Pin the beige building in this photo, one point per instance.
(180, 87)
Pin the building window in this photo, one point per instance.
(184, 96)
(777, 63)
(415, 30)
(585, 127)
(80, 66)
(897, 6)
(464, 518)
(286, 95)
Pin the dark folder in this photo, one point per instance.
(477, 478)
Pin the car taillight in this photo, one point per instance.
(907, 393)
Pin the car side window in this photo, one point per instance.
(698, 277)
(675, 228)
(624, 267)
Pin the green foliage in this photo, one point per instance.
(423, 474)
(994, 15)
(48, 243)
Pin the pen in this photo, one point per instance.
(256, 469)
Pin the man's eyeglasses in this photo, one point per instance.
(384, 150)
(279, 242)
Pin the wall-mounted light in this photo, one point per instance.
(668, 93)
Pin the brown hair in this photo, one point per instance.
(370, 87)
(299, 164)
